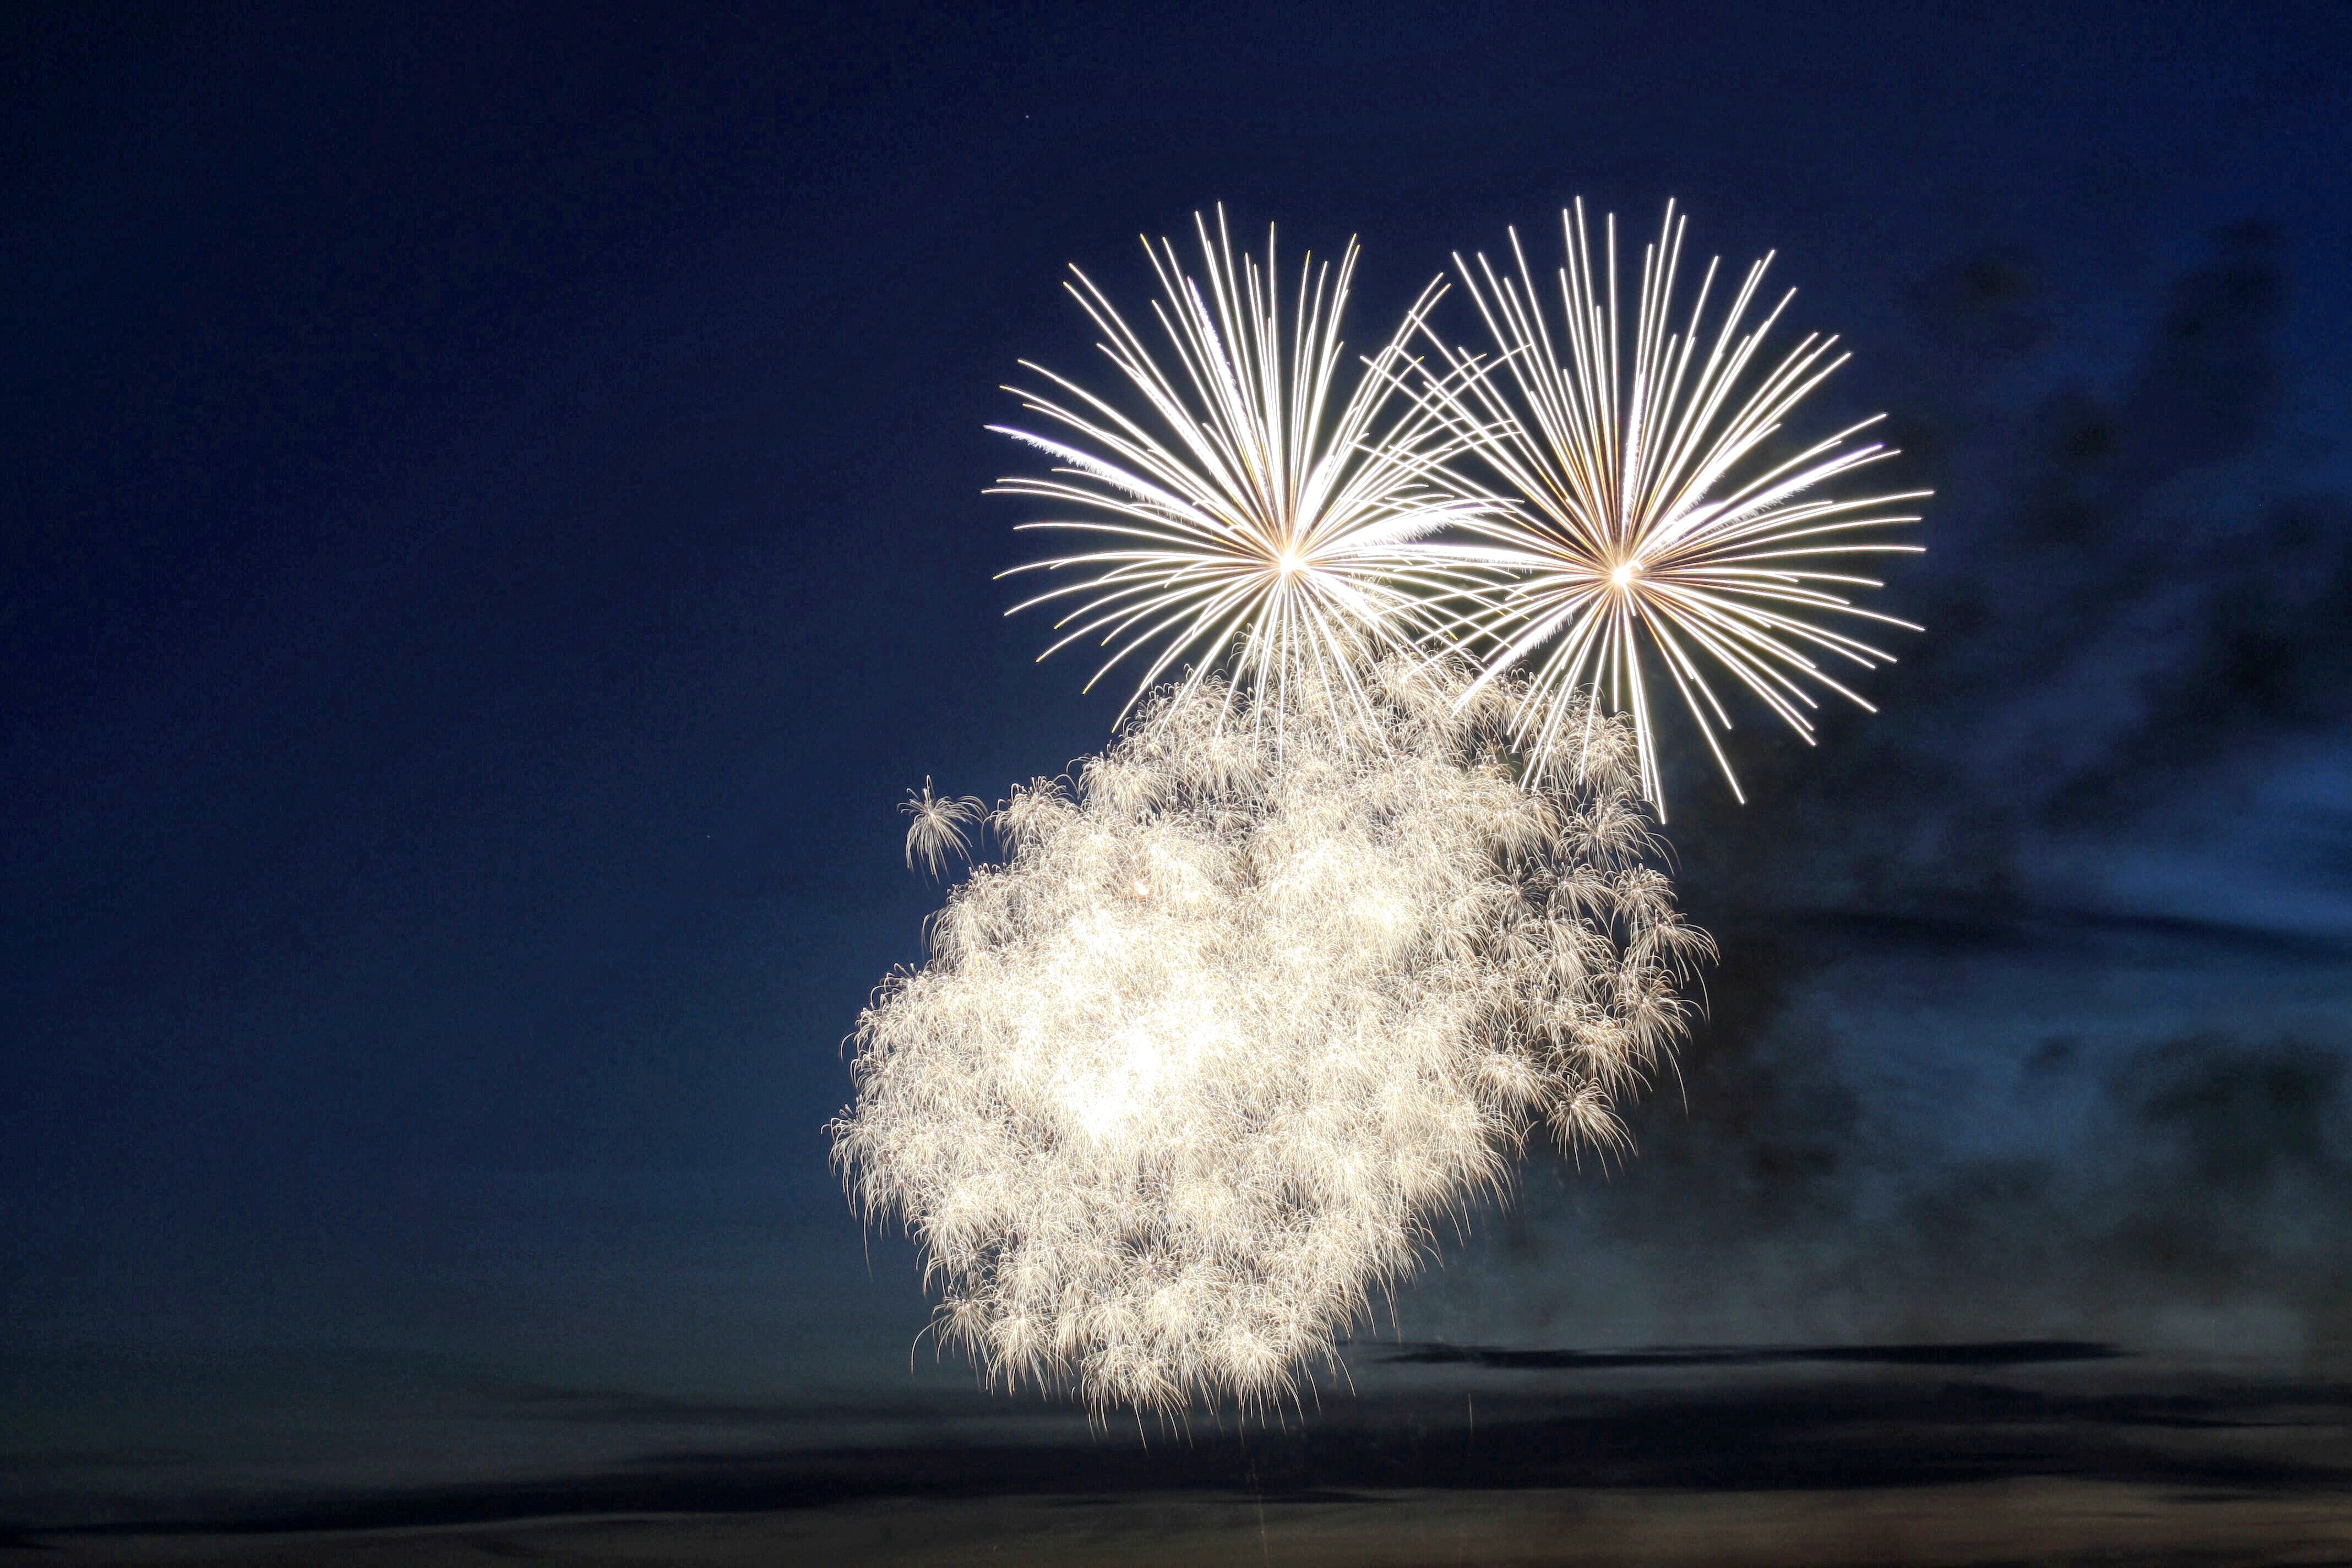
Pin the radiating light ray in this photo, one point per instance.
(1189, 1078)
(1648, 530)
(1248, 512)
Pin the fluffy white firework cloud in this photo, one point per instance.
(1190, 1076)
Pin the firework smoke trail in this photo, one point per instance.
(1649, 516)
(1248, 510)
(1190, 1076)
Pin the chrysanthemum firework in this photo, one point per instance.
(1257, 510)
(1190, 1076)
(1661, 522)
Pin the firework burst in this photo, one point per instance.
(941, 828)
(1189, 1078)
(1658, 525)
(1248, 507)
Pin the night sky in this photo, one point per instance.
(491, 524)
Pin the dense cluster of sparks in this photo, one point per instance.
(1598, 519)
(1192, 1072)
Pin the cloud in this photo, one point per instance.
(2132, 597)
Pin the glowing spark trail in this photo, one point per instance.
(1245, 509)
(939, 827)
(1189, 1078)
(1658, 528)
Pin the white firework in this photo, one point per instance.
(1189, 1078)
(1659, 523)
(1248, 508)
(941, 827)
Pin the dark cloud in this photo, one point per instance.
(1882, 1428)
(1982, 1354)
(2128, 597)
(2268, 661)
(2208, 389)
(1982, 311)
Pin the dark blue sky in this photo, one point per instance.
(491, 522)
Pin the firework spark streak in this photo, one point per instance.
(1247, 509)
(1190, 1076)
(1650, 517)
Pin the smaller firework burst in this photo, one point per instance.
(941, 829)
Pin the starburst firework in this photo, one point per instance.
(1190, 1076)
(1655, 525)
(1250, 509)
